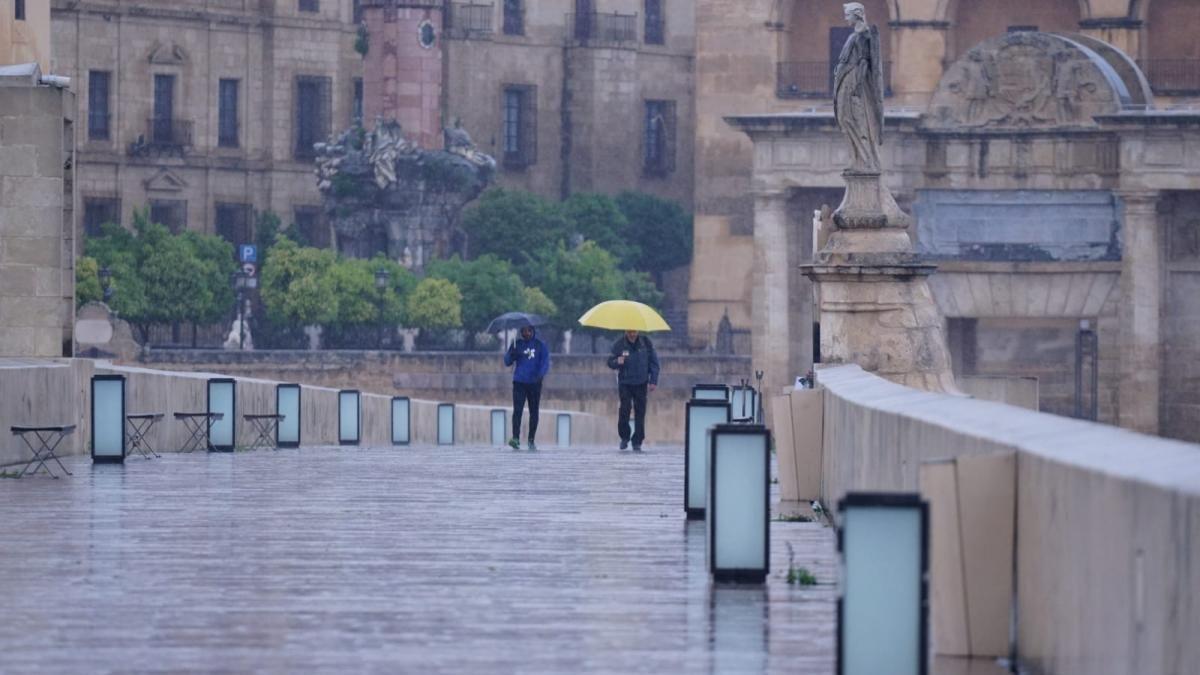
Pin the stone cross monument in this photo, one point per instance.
(875, 306)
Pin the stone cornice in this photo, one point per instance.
(918, 23)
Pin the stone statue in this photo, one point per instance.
(386, 145)
(858, 90)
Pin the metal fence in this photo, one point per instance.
(1172, 76)
(814, 79)
(611, 28)
(470, 20)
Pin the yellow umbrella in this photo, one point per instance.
(623, 315)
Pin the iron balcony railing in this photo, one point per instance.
(470, 20)
(814, 79)
(1173, 77)
(596, 27)
(170, 133)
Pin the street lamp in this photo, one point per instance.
(106, 283)
(382, 278)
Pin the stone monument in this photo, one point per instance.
(875, 306)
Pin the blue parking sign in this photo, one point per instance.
(248, 253)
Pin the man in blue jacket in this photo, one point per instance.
(636, 363)
(532, 359)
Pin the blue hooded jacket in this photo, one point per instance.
(532, 359)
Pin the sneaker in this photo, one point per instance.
(624, 444)
(532, 446)
(514, 443)
(637, 448)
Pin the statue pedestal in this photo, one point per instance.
(875, 306)
(868, 204)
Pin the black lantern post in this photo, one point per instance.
(106, 283)
(382, 279)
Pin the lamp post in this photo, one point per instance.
(106, 283)
(382, 278)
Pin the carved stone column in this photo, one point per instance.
(771, 300)
(1141, 304)
(876, 307)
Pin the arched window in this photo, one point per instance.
(1172, 51)
(815, 32)
(973, 21)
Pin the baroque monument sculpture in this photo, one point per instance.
(384, 193)
(875, 306)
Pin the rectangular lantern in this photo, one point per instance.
(710, 392)
(701, 415)
(401, 420)
(883, 612)
(744, 404)
(287, 403)
(563, 430)
(445, 424)
(737, 506)
(222, 398)
(349, 417)
(499, 427)
(108, 419)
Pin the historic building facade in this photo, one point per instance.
(206, 111)
(1052, 178)
(37, 190)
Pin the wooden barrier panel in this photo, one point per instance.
(973, 510)
(808, 439)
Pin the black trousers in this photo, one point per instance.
(632, 395)
(523, 392)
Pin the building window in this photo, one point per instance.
(312, 114)
(163, 128)
(356, 105)
(227, 114)
(357, 11)
(655, 23)
(309, 5)
(310, 227)
(169, 212)
(233, 223)
(519, 122)
(97, 211)
(98, 127)
(514, 17)
(19, 10)
(659, 138)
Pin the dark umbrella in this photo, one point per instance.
(511, 320)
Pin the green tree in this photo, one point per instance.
(576, 279)
(640, 287)
(296, 286)
(537, 302)
(597, 218)
(87, 281)
(660, 230)
(513, 225)
(489, 288)
(435, 304)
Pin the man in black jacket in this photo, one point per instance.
(636, 363)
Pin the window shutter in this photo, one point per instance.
(529, 125)
(668, 162)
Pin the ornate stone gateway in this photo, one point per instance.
(384, 193)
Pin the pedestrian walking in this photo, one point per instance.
(636, 363)
(532, 361)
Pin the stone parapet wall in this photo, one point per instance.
(46, 393)
(1108, 520)
(576, 382)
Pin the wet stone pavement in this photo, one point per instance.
(411, 559)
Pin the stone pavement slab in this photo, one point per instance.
(412, 559)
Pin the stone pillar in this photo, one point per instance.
(876, 307)
(771, 301)
(402, 71)
(918, 52)
(1141, 298)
